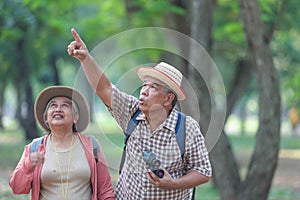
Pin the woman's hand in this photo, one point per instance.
(37, 158)
(77, 48)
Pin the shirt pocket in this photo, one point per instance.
(170, 157)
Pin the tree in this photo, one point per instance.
(32, 34)
(264, 159)
(16, 23)
(263, 162)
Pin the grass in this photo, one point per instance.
(11, 147)
(12, 144)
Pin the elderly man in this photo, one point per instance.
(155, 131)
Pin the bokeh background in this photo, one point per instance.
(253, 43)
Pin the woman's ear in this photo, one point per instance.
(76, 117)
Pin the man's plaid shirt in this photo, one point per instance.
(133, 183)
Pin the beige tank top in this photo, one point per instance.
(78, 185)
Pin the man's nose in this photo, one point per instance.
(144, 91)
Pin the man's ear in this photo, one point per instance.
(169, 99)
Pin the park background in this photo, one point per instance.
(254, 44)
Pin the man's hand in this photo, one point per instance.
(77, 48)
(167, 182)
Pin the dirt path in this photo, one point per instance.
(287, 175)
(288, 170)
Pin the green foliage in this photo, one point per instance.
(45, 26)
(227, 26)
(207, 192)
(11, 146)
(270, 10)
(152, 13)
(279, 18)
(290, 143)
(101, 20)
(287, 58)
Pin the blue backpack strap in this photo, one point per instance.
(130, 127)
(180, 133)
(96, 147)
(180, 137)
(35, 144)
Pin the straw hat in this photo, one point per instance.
(62, 91)
(167, 74)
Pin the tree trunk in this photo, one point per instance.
(87, 91)
(176, 21)
(239, 83)
(25, 95)
(27, 119)
(53, 65)
(225, 167)
(2, 87)
(201, 28)
(264, 159)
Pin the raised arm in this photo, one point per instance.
(95, 76)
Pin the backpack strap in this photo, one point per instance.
(36, 143)
(130, 127)
(180, 138)
(180, 133)
(96, 147)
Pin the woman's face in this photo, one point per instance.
(60, 113)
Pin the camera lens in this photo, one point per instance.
(159, 173)
(156, 163)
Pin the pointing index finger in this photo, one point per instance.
(76, 36)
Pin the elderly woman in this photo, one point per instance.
(64, 165)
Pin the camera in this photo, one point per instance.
(152, 163)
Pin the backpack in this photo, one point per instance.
(38, 141)
(179, 130)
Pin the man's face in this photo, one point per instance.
(153, 95)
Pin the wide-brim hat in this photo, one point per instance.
(165, 73)
(62, 91)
